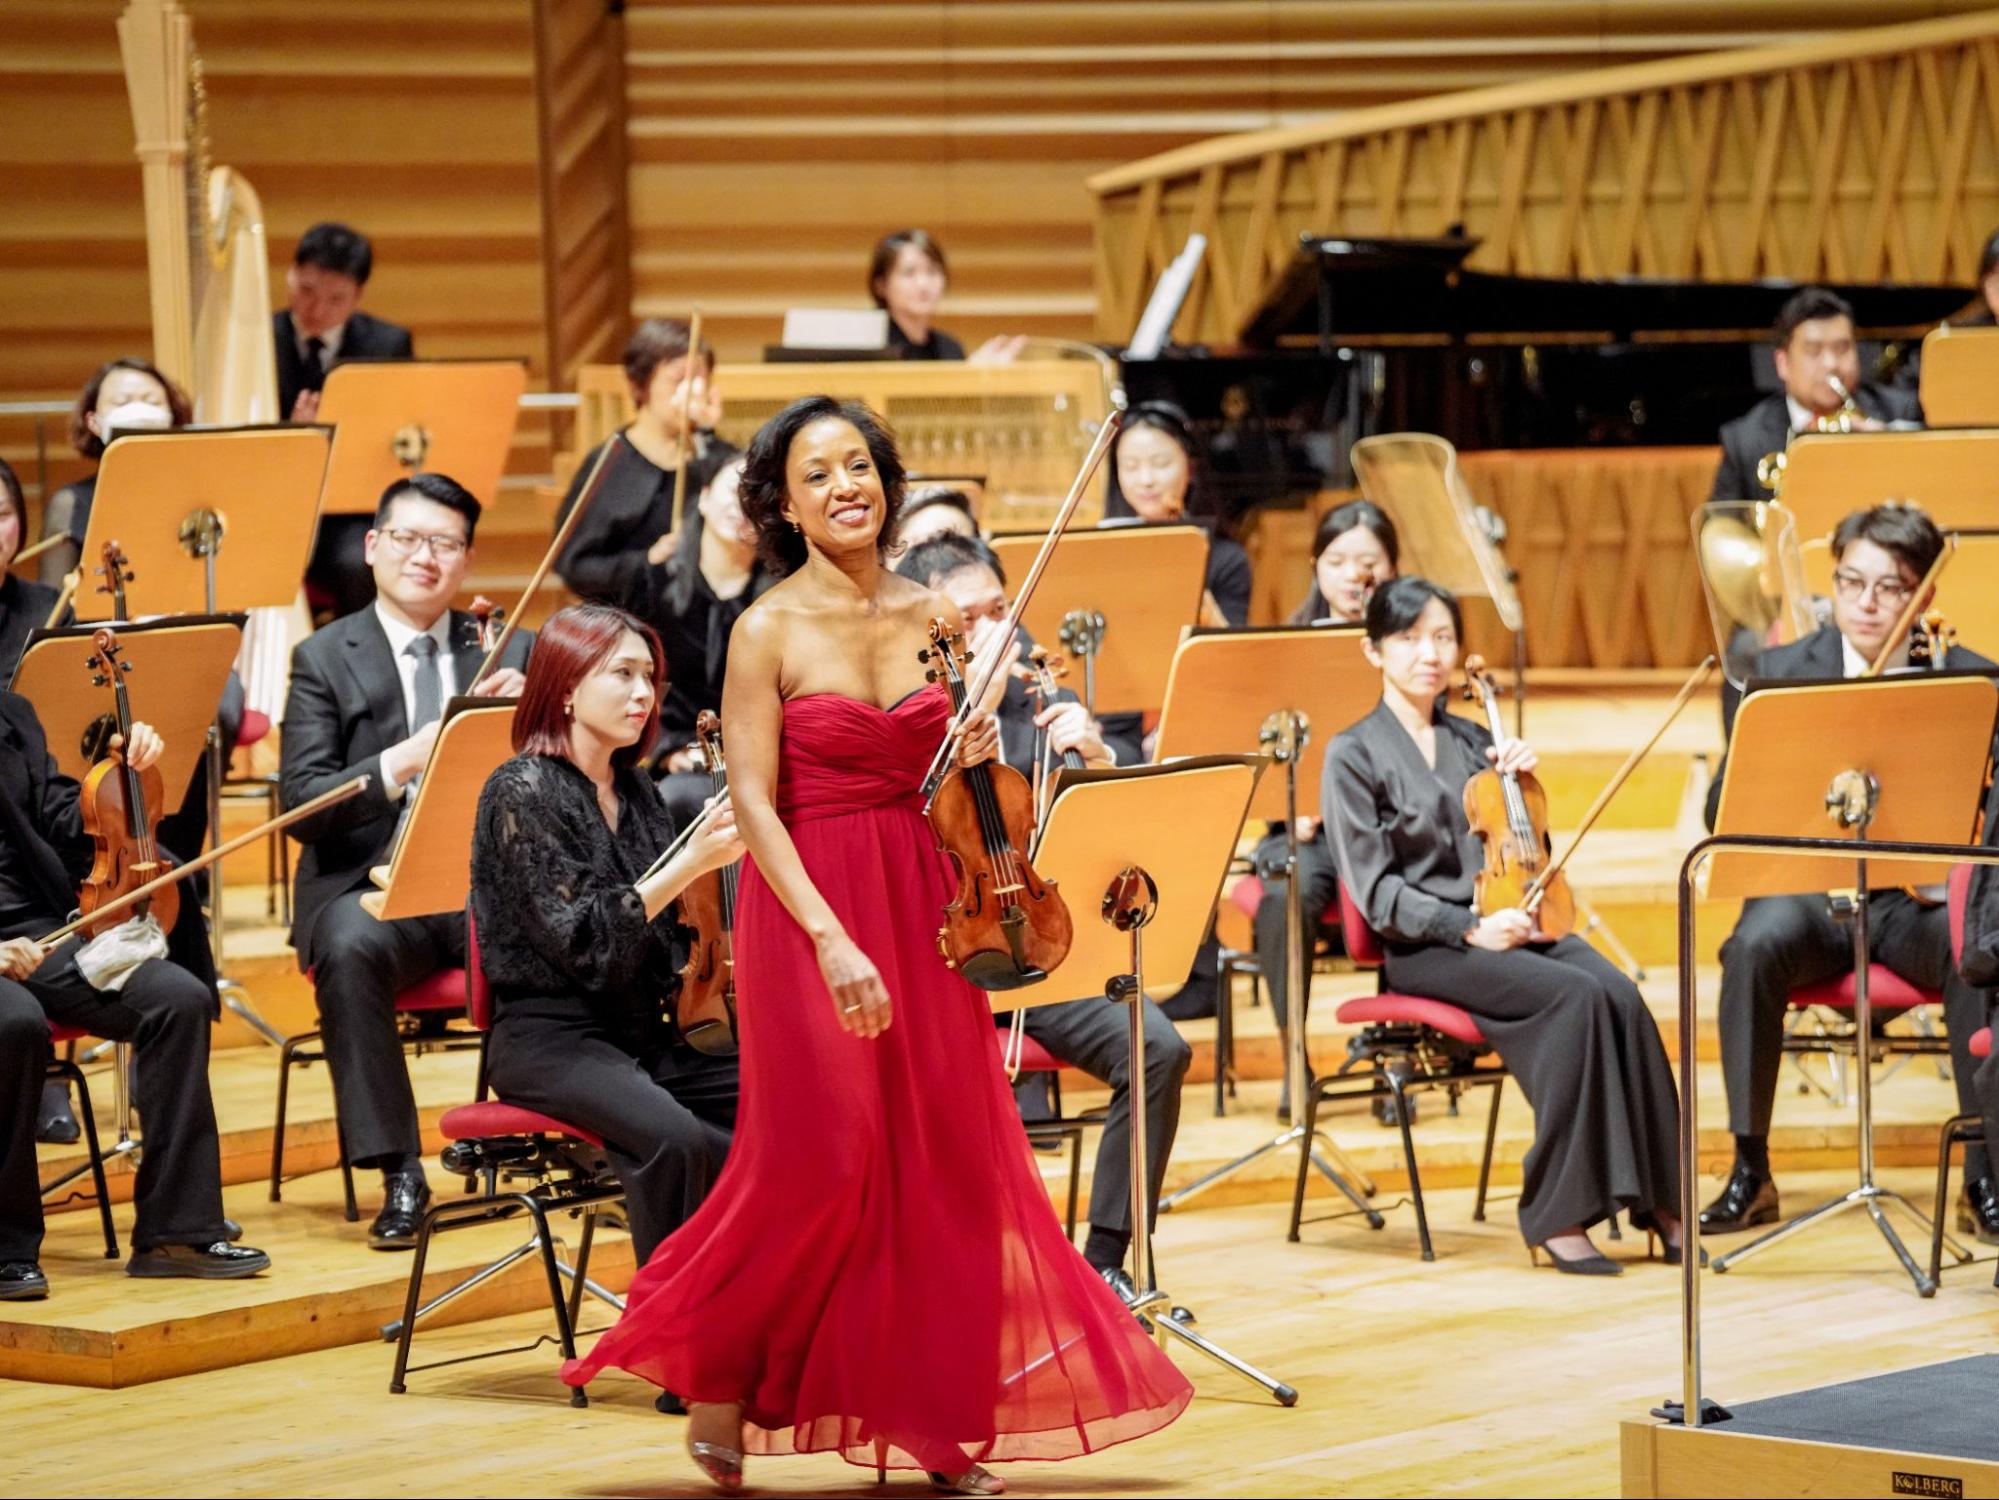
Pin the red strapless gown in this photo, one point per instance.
(878, 1259)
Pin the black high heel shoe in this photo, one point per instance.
(1589, 1265)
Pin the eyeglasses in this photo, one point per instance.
(1891, 592)
(404, 543)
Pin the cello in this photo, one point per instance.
(1508, 811)
(705, 1009)
(121, 812)
(1005, 927)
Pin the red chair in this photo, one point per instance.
(1409, 1042)
(440, 995)
(65, 1068)
(1061, 1129)
(566, 1171)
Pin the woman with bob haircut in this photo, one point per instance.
(879, 1273)
(578, 942)
(1569, 1025)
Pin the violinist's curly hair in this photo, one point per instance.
(764, 487)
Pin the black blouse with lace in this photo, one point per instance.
(562, 932)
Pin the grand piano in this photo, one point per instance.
(1360, 335)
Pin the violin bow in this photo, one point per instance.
(694, 826)
(29, 554)
(1539, 888)
(1908, 615)
(598, 472)
(683, 437)
(324, 800)
(982, 676)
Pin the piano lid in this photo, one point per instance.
(1387, 288)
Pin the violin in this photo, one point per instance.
(1044, 669)
(116, 571)
(121, 811)
(1005, 927)
(706, 1008)
(1508, 811)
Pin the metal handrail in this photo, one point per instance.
(1690, 1219)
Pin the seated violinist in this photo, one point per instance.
(24, 605)
(1880, 557)
(1087, 1033)
(1354, 550)
(368, 695)
(1570, 1026)
(156, 1004)
(576, 929)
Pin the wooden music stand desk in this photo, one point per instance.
(159, 494)
(1968, 591)
(390, 419)
(430, 869)
(1225, 685)
(179, 669)
(1960, 379)
(1839, 760)
(1133, 588)
(1952, 475)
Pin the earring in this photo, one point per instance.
(569, 710)
(796, 527)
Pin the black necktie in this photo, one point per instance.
(429, 683)
(315, 365)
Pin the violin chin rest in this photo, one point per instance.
(997, 971)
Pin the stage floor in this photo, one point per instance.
(1473, 1375)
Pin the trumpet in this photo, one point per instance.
(1848, 418)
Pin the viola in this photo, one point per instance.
(706, 1007)
(1508, 811)
(1005, 927)
(121, 811)
(1044, 668)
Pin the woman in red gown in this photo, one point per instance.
(878, 1271)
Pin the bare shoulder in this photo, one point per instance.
(912, 600)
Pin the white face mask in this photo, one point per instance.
(134, 416)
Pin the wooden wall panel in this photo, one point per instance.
(771, 143)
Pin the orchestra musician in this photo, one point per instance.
(881, 1246)
(123, 395)
(1158, 474)
(367, 693)
(1354, 551)
(323, 323)
(1817, 358)
(630, 521)
(24, 604)
(1782, 942)
(692, 600)
(933, 511)
(907, 277)
(162, 1008)
(579, 941)
(1905, 361)
(1085, 1033)
(1569, 1025)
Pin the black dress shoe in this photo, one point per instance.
(670, 1405)
(231, 1231)
(22, 1281)
(1118, 1279)
(1595, 1264)
(220, 1261)
(1747, 1200)
(55, 1122)
(403, 1205)
(1978, 1210)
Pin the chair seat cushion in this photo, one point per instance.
(254, 727)
(491, 1117)
(1886, 990)
(1246, 895)
(1034, 1058)
(444, 990)
(1981, 1042)
(59, 1033)
(1438, 1015)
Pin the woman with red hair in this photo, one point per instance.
(578, 941)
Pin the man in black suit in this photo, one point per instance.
(323, 323)
(158, 1005)
(366, 695)
(1782, 942)
(1815, 346)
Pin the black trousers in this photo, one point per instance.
(1095, 1035)
(665, 1113)
(359, 966)
(1575, 1033)
(1783, 942)
(164, 1012)
(1318, 883)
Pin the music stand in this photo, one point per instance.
(1271, 689)
(1829, 475)
(212, 519)
(392, 418)
(1802, 754)
(1117, 599)
(1447, 536)
(1960, 377)
(180, 667)
(1148, 847)
(430, 864)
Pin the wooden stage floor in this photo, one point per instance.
(1475, 1375)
